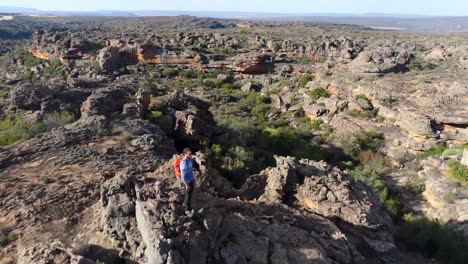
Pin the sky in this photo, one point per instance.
(419, 7)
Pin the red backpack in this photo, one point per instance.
(177, 171)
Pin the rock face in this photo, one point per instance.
(192, 119)
(328, 191)
(416, 124)
(447, 200)
(253, 63)
(104, 102)
(30, 96)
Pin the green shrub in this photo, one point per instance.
(365, 141)
(13, 129)
(452, 152)
(361, 96)
(319, 92)
(210, 84)
(188, 74)
(419, 64)
(169, 72)
(159, 119)
(458, 172)
(304, 79)
(370, 174)
(439, 150)
(149, 84)
(54, 69)
(225, 51)
(417, 186)
(7, 237)
(433, 239)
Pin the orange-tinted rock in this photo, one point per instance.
(40, 54)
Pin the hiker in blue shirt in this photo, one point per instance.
(186, 169)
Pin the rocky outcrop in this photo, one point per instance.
(105, 101)
(381, 60)
(253, 63)
(327, 191)
(447, 200)
(227, 231)
(55, 252)
(30, 96)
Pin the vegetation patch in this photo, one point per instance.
(458, 172)
(433, 239)
(15, 128)
(318, 92)
(305, 79)
(7, 237)
(159, 119)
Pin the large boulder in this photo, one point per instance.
(327, 191)
(105, 101)
(253, 63)
(30, 96)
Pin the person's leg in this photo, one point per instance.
(189, 196)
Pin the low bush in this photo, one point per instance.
(458, 172)
(169, 72)
(54, 69)
(433, 239)
(6, 237)
(370, 174)
(419, 64)
(319, 92)
(13, 129)
(304, 79)
(417, 186)
(361, 96)
(365, 141)
(438, 151)
(188, 74)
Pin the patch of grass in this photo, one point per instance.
(419, 64)
(449, 198)
(318, 92)
(364, 141)
(25, 56)
(7, 237)
(433, 239)
(458, 172)
(422, 79)
(188, 74)
(169, 72)
(13, 129)
(54, 69)
(304, 79)
(438, 151)
(370, 174)
(224, 51)
(390, 100)
(361, 96)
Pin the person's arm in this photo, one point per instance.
(184, 171)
